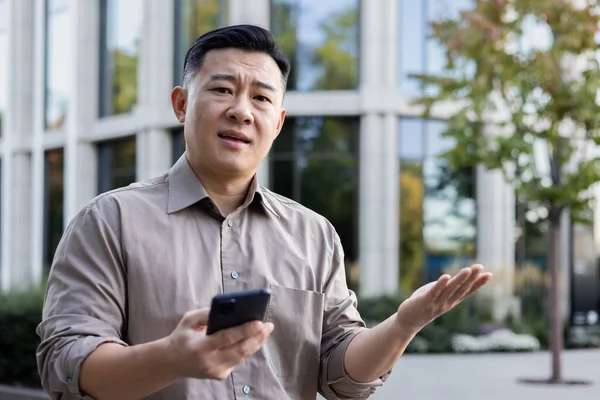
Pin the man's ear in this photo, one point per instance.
(179, 102)
(280, 122)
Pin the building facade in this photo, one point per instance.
(85, 106)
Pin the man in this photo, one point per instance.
(125, 310)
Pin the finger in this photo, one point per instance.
(439, 286)
(461, 292)
(230, 336)
(479, 283)
(465, 289)
(233, 355)
(195, 318)
(454, 284)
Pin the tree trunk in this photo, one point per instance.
(521, 224)
(556, 325)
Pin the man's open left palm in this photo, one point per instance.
(438, 297)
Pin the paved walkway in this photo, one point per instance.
(490, 377)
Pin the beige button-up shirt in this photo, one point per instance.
(136, 259)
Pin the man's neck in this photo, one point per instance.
(227, 193)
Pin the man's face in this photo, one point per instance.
(231, 110)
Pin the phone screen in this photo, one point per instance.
(236, 308)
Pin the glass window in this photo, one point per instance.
(321, 40)
(437, 206)
(1, 190)
(116, 167)
(57, 58)
(412, 139)
(3, 59)
(121, 35)
(54, 195)
(192, 19)
(419, 54)
(314, 161)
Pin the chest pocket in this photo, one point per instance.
(293, 349)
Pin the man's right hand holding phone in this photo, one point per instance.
(193, 354)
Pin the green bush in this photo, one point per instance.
(20, 313)
(467, 317)
(377, 309)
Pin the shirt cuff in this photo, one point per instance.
(342, 386)
(79, 352)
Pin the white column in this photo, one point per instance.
(37, 148)
(372, 278)
(369, 160)
(379, 182)
(16, 224)
(390, 218)
(20, 222)
(153, 153)
(80, 159)
(154, 146)
(495, 236)
(256, 12)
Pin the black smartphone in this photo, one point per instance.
(236, 308)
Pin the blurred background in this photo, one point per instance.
(85, 108)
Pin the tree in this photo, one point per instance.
(336, 56)
(124, 81)
(530, 112)
(329, 65)
(412, 256)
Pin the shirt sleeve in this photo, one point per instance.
(341, 323)
(85, 303)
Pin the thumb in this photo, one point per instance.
(195, 318)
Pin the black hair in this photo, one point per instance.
(243, 37)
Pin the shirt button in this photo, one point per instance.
(235, 275)
(211, 205)
(229, 223)
(246, 389)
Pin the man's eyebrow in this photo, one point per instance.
(264, 86)
(223, 77)
(232, 78)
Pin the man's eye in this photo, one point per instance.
(262, 98)
(221, 90)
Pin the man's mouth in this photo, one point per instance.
(235, 138)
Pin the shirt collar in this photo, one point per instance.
(185, 189)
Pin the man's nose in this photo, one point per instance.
(240, 112)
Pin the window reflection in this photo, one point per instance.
(3, 60)
(437, 205)
(57, 61)
(321, 40)
(121, 35)
(418, 53)
(54, 195)
(192, 19)
(116, 167)
(314, 161)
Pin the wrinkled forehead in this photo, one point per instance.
(245, 66)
